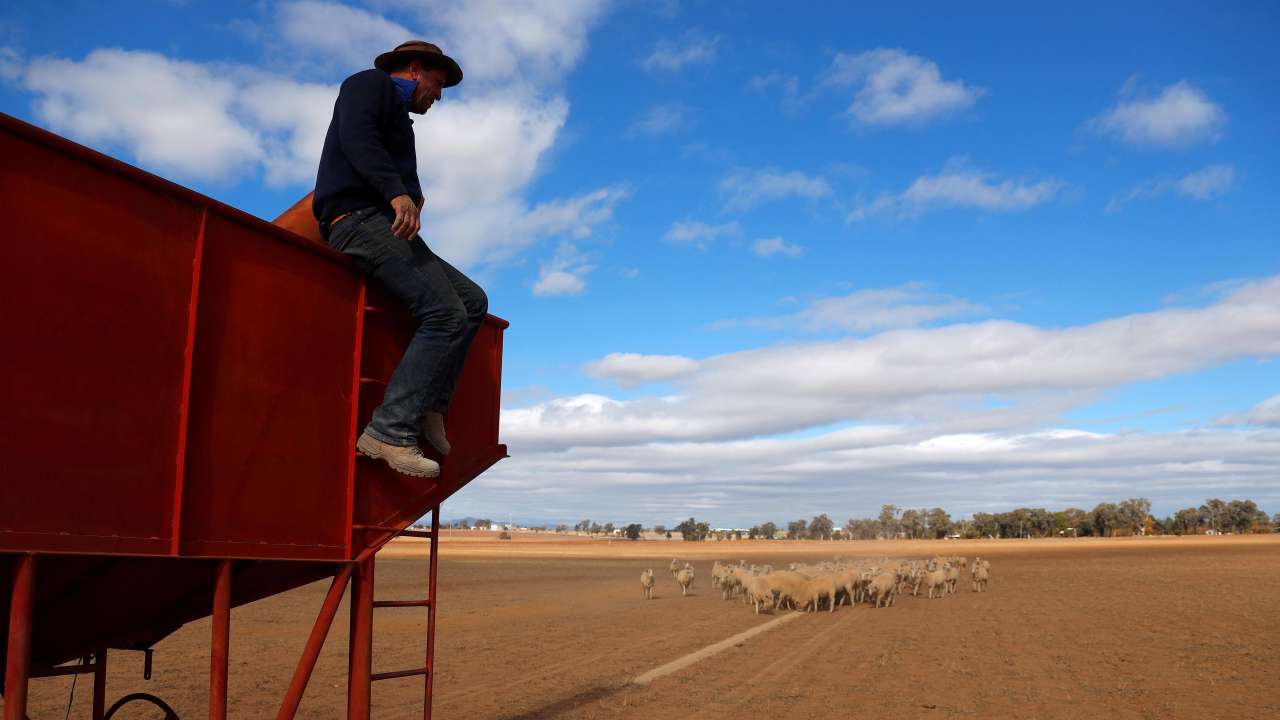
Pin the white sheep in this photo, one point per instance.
(646, 583)
(684, 578)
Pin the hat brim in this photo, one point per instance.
(452, 71)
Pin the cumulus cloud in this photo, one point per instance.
(957, 186)
(869, 310)
(673, 55)
(1266, 413)
(851, 472)
(1207, 183)
(965, 416)
(11, 65)
(479, 151)
(500, 40)
(631, 369)
(1211, 182)
(897, 88)
(900, 372)
(662, 119)
(565, 274)
(744, 189)
(337, 35)
(1180, 115)
(698, 234)
(768, 247)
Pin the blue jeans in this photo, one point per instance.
(447, 306)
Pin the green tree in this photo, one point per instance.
(1133, 514)
(608, 528)
(1106, 519)
(768, 530)
(633, 531)
(796, 529)
(693, 530)
(939, 523)
(820, 527)
(912, 523)
(889, 520)
(483, 524)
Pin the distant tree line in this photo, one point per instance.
(1127, 517)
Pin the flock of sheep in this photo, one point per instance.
(808, 587)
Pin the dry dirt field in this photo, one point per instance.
(545, 628)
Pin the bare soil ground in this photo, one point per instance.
(540, 627)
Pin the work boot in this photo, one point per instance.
(406, 460)
(434, 431)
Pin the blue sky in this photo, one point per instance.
(763, 264)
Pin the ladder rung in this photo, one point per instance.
(401, 603)
(417, 533)
(399, 674)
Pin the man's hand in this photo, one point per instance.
(406, 224)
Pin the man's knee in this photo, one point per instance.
(450, 319)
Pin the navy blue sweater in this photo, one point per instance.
(368, 156)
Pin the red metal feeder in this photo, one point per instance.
(185, 383)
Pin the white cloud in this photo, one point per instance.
(513, 40)
(960, 187)
(927, 373)
(174, 116)
(745, 189)
(851, 472)
(699, 234)
(863, 311)
(565, 274)
(1180, 115)
(479, 150)
(1206, 184)
(337, 35)
(670, 56)
(631, 369)
(964, 416)
(662, 119)
(768, 247)
(1266, 413)
(895, 87)
(11, 65)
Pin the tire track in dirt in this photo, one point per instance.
(553, 669)
(768, 677)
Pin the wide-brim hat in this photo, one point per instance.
(430, 55)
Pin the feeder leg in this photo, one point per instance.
(219, 644)
(431, 613)
(319, 631)
(360, 656)
(18, 655)
(99, 683)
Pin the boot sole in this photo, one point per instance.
(377, 455)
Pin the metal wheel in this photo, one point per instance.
(169, 714)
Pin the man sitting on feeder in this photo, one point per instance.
(368, 200)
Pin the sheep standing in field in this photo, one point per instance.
(936, 580)
(718, 570)
(953, 575)
(646, 583)
(684, 578)
(980, 577)
(882, 589)
(814, 590)
(675, 567)
(758, 590)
